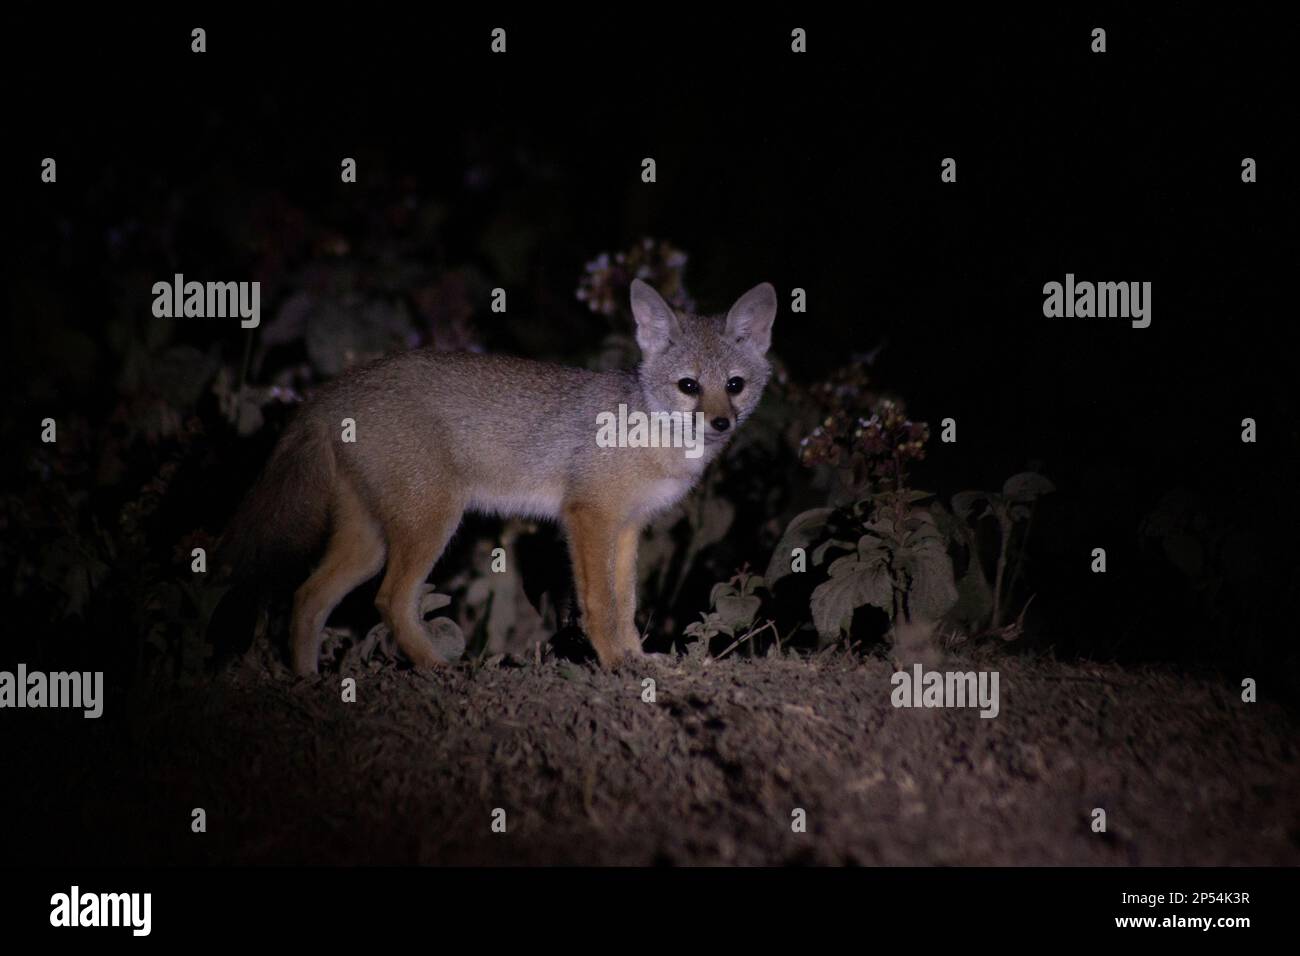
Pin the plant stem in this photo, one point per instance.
(752, 632)
(1004, 527)
(243, 377)
(1020, 552)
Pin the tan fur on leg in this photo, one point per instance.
(625, 581)
(354, 556)
(413, 550)
(592, 535)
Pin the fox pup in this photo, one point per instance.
(437, 433)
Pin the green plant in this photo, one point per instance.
(900, 565)
(879, 549)
(1008, 508)
(736, 603)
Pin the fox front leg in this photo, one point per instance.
(625, 580)
(593, 544)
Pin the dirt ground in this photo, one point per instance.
(711, 772)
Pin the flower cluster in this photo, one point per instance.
(605, 286)
(871, 437)
(889, 440)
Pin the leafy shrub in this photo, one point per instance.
(1010, 507)
(883, 545)
(878, 549)
(735, 604)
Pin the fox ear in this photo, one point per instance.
(656, 322)
(750, 319)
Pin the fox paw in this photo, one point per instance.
(621, 656)
(423, 655)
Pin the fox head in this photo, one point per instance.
(716, 365)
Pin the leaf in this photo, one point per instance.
(431, 600)
(974, 596)
(965, 503)
(447, 638)
(884, 527)
(1027, 486)
(921, 523)
(950, 526)
(910, 496)
(801, 532)
(853, 583)
(721, 590)
(698, 629)
(478, 592)
(928, 536)
(870, 548)
(924, 562)
(819, 555)
(698, 650)
(738, 612)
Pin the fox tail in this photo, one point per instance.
(285, 518)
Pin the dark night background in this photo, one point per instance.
(818, 171)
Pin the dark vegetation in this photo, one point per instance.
(174, 423)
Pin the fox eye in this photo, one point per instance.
(689, 386)
(735, 385)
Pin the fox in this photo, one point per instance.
(437, 434)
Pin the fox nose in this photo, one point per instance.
(721, 424)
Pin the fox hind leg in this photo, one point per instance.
(354, 555)
(413, 550)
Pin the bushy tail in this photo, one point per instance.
(284, 519)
